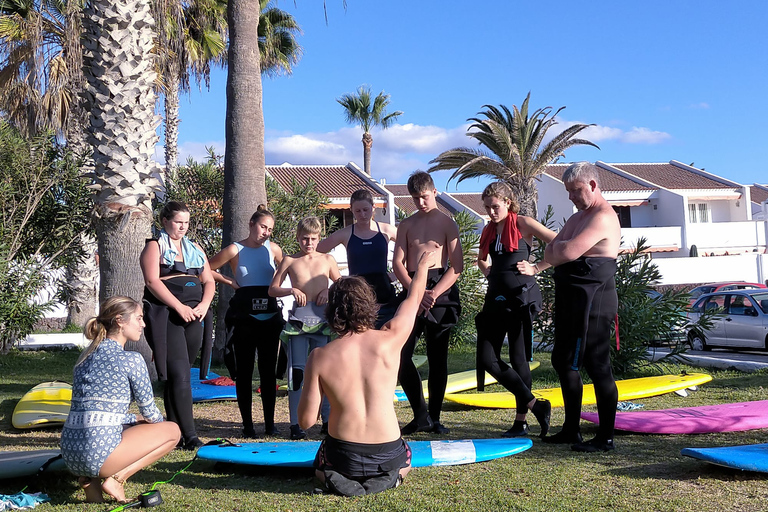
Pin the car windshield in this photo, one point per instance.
(701, 290)
(761, 299)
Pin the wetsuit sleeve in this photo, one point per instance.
(141, 389)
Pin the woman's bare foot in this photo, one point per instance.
(113, 486)
(92, 488)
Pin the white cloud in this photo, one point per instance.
(398, 151)
(598, 133)
(699, 106)
(644, 136)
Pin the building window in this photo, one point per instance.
(625, 219)
(698, 213)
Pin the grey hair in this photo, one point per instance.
(581, 171)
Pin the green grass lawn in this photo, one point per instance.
(646, 472)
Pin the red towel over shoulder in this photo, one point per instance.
(510, 235)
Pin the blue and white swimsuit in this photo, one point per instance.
(104, 385)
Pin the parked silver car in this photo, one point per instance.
(741, 320)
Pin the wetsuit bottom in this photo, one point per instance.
(436, 326)
(585, 308)
(183, 341)
(355, 469)
(250, 336)
(492, 326)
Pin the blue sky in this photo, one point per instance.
(661, 80)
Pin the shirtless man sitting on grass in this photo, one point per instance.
(364, 452)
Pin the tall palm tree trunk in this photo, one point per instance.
(527, 196)
(172, 121)
(367, 144)
(118, 44)
(244, 171)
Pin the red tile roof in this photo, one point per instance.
(672, 176)
(758, 194)
(609, 181)
(471, 200)
(404, 201)
(333, 181)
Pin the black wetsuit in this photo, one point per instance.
(436, 326)
(511, 303)
(176, 343)
(367, 258)
(355, 469)
(254, 321)
(585, 307)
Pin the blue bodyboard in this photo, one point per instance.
(750, 457)
(209, 392)
(301, 454)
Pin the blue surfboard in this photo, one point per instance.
(301, 454)
(209, 392)
(749, 457)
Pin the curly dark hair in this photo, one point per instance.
(352, 306)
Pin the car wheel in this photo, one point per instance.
(696, 341)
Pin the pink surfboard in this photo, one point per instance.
(693, 420)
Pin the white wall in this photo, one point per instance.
(722, 211)
(552, 192)
(670, 236)
(642, 215)
(752, 268)
(745, 235)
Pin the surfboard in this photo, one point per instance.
(209, 392)
(629, 389)
(45, 405)
(749, 457)
(457, 382)
(693, 420)
(425, 453)
(18, 464)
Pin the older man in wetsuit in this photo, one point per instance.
(584, 256)
(363, 452)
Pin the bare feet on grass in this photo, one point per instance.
(92, 488)
(113, 486)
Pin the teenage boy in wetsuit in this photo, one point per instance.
(584, 256)
(363, 452)
(428, 230)
(309, 271)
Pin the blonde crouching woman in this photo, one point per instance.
(102, 442)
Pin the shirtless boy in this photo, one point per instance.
(584, 256)
(309, 272)
(363, 452)
(428, 230)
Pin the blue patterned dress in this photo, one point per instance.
(104, 385)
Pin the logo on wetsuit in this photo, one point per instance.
(260, 304)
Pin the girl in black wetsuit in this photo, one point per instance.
(512, 300)
(254, 319)
(179, 290)
(367, 244)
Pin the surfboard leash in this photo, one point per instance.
(152, 497)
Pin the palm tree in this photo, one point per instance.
(193, 37)
(512, 149)
(119, 49)
(359, 109)
(41, 79)
(38, 63)
(278, 48)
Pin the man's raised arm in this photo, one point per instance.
(402, 323)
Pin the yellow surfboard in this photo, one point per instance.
(45, 405)
(629, 389)
(457, 382)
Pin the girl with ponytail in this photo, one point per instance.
(101, 442)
